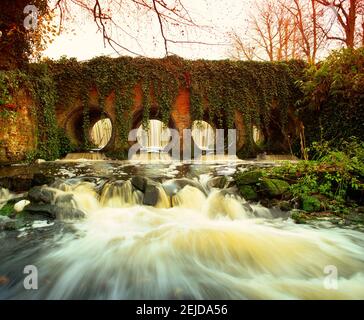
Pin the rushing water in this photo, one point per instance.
(197, 242)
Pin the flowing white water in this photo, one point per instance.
(204, 247)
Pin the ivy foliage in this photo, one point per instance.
(218, 90)
(333, 97)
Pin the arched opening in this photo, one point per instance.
(154, 138)
(101, 128)
(100, 133)
(258, 136)
(203, 135)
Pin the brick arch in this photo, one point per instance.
(137, 117)
(74, 128)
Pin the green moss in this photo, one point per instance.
(310, 203)
(7, 209)
(250, 177)
(300, 217)
(274, 187)
(248, 192)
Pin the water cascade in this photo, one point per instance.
(155, 137)
(101, 133)
(81, 156)
(195, 242)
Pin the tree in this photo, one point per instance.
(347, 12)
(283, 29)
(18, 43)
(272, 34)
(308, 20)
(167, 14)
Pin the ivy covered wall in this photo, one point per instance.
(258, 93)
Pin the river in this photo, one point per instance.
(196, 242)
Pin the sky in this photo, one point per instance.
(216, 18)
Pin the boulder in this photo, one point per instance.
(42, 194)
(299, 217)
(7, 224)
(172, 187)
(217, 182)
(248, 192)
(273, 187)
(19, 206)
(139, 182)
(151, 195)
(248, 177)
(55, 212)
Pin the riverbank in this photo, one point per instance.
(331, 187)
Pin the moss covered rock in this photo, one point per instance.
(310, 204)
(7, 209)
(249, 177)
(274, 187)
(300, 217)
(248, 192)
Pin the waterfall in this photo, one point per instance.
(79, 156)
(196, 242)
(203, 135)
(101, 133)
(155, 138)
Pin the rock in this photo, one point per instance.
(40, 179)
(19, 206)
(55, 212)
(139, 182)
(217, 182)
(284, 205)
(21, 183)
(172, 187)
(45, 209)
(310, 204)
(248, 192)
(17, 183)
(151, 195)
(39, 161)
(7, 224)
(42, 194)
(249, 177)
(273, 187)
(299, 216)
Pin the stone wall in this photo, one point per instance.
(17, 129)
